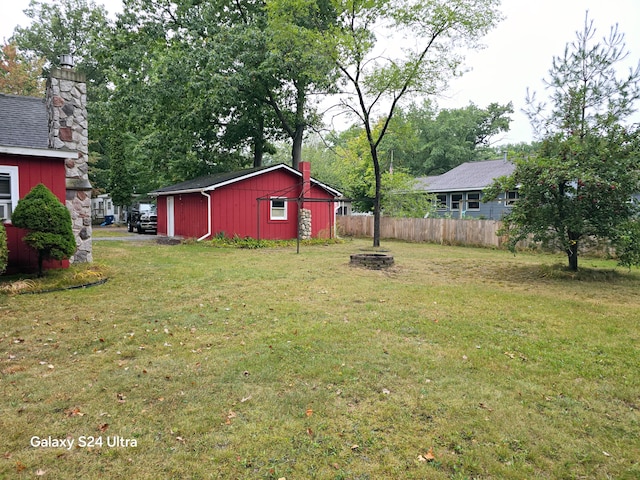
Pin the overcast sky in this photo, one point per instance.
(518, 54)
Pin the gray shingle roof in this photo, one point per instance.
(468, 176)
(23, 122)
(207, 181)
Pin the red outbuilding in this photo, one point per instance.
(270, 202)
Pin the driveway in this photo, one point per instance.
(121, 234)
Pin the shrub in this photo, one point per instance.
(49, 225)
(4, 250)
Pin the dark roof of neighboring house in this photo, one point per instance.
(468, 176)
(23, 122)
(211, 182)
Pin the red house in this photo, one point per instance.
(263, 202)
(25, 161)
(44, 140)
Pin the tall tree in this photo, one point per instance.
(20, 75)
(587, 171)
(65, 27)
(459, 135)
(375, 83)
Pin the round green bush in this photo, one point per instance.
(48, 222)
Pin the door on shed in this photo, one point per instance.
(171, 226)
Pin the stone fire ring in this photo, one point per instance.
(373, 261)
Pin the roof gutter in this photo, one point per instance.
(208, 234)
(38, 152)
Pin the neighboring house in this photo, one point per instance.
(262, 203)
(103, 209)
(459, 191)
(45, 141)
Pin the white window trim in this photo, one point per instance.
(277, 218)
(460, 201)
(14, 185)
(443, 205)
(468, 201)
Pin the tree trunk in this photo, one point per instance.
(572, 253)
(296, 149)
(376, 201)
(258, 143)
(40, 261)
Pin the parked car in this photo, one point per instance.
(143, 218)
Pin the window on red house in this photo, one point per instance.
(8, 191)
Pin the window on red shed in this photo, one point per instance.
(278, 209)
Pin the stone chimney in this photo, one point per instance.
(66, 101)
(304, 215)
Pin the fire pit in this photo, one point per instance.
(373, 261)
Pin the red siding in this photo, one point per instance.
(234, 209)
(322, 213)
(32, 171)
(161, 210)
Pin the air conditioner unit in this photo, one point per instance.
(5, 210)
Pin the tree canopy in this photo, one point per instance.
(583, 181)
(20, 75)
(374, 84)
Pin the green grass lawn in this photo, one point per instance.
(233, 363)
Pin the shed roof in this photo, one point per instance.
(23, 122)
(468, 176)
(217, 180)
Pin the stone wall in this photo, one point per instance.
(66, 101)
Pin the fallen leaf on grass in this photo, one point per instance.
(103, 427)
(74, 412)
(20, 466)
(427, 457)
(121, 397)
(230, 416)
(40, 472)
(309, 412)
(181, 440)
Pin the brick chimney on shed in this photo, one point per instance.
(304, 215)
(66, 101)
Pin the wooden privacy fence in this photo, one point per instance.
(432, 230)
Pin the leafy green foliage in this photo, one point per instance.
(428, 141)
(4, 249)
(376, 85)
(627, 242)
(73, 27)
(48, 223)
(582, 182)
(222, 241)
